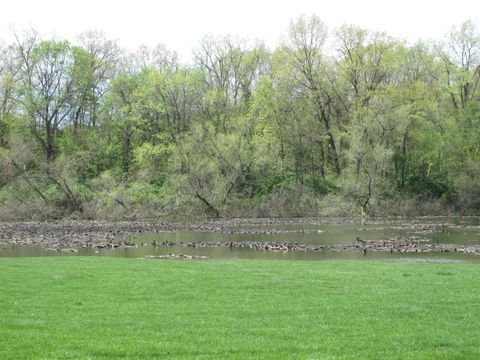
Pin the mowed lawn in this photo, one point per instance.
(80, 307)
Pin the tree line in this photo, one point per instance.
(332, 121)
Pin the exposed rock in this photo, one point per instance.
(69, 236)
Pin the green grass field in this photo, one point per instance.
(74, 307)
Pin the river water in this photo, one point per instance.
(464, 231)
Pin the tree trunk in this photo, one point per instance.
(322, 161)
(208, 204)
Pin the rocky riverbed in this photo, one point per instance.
(69, 236)
(397, 245)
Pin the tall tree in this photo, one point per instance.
(230, 71)
(9, 73)
(46, 87)
(96, 64)
(314, 72)
(462, 64)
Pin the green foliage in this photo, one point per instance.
(325, 187)
(87, 130)
(149, 156)
(142, 193)
(432, 187)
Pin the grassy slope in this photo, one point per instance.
(71, 307)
